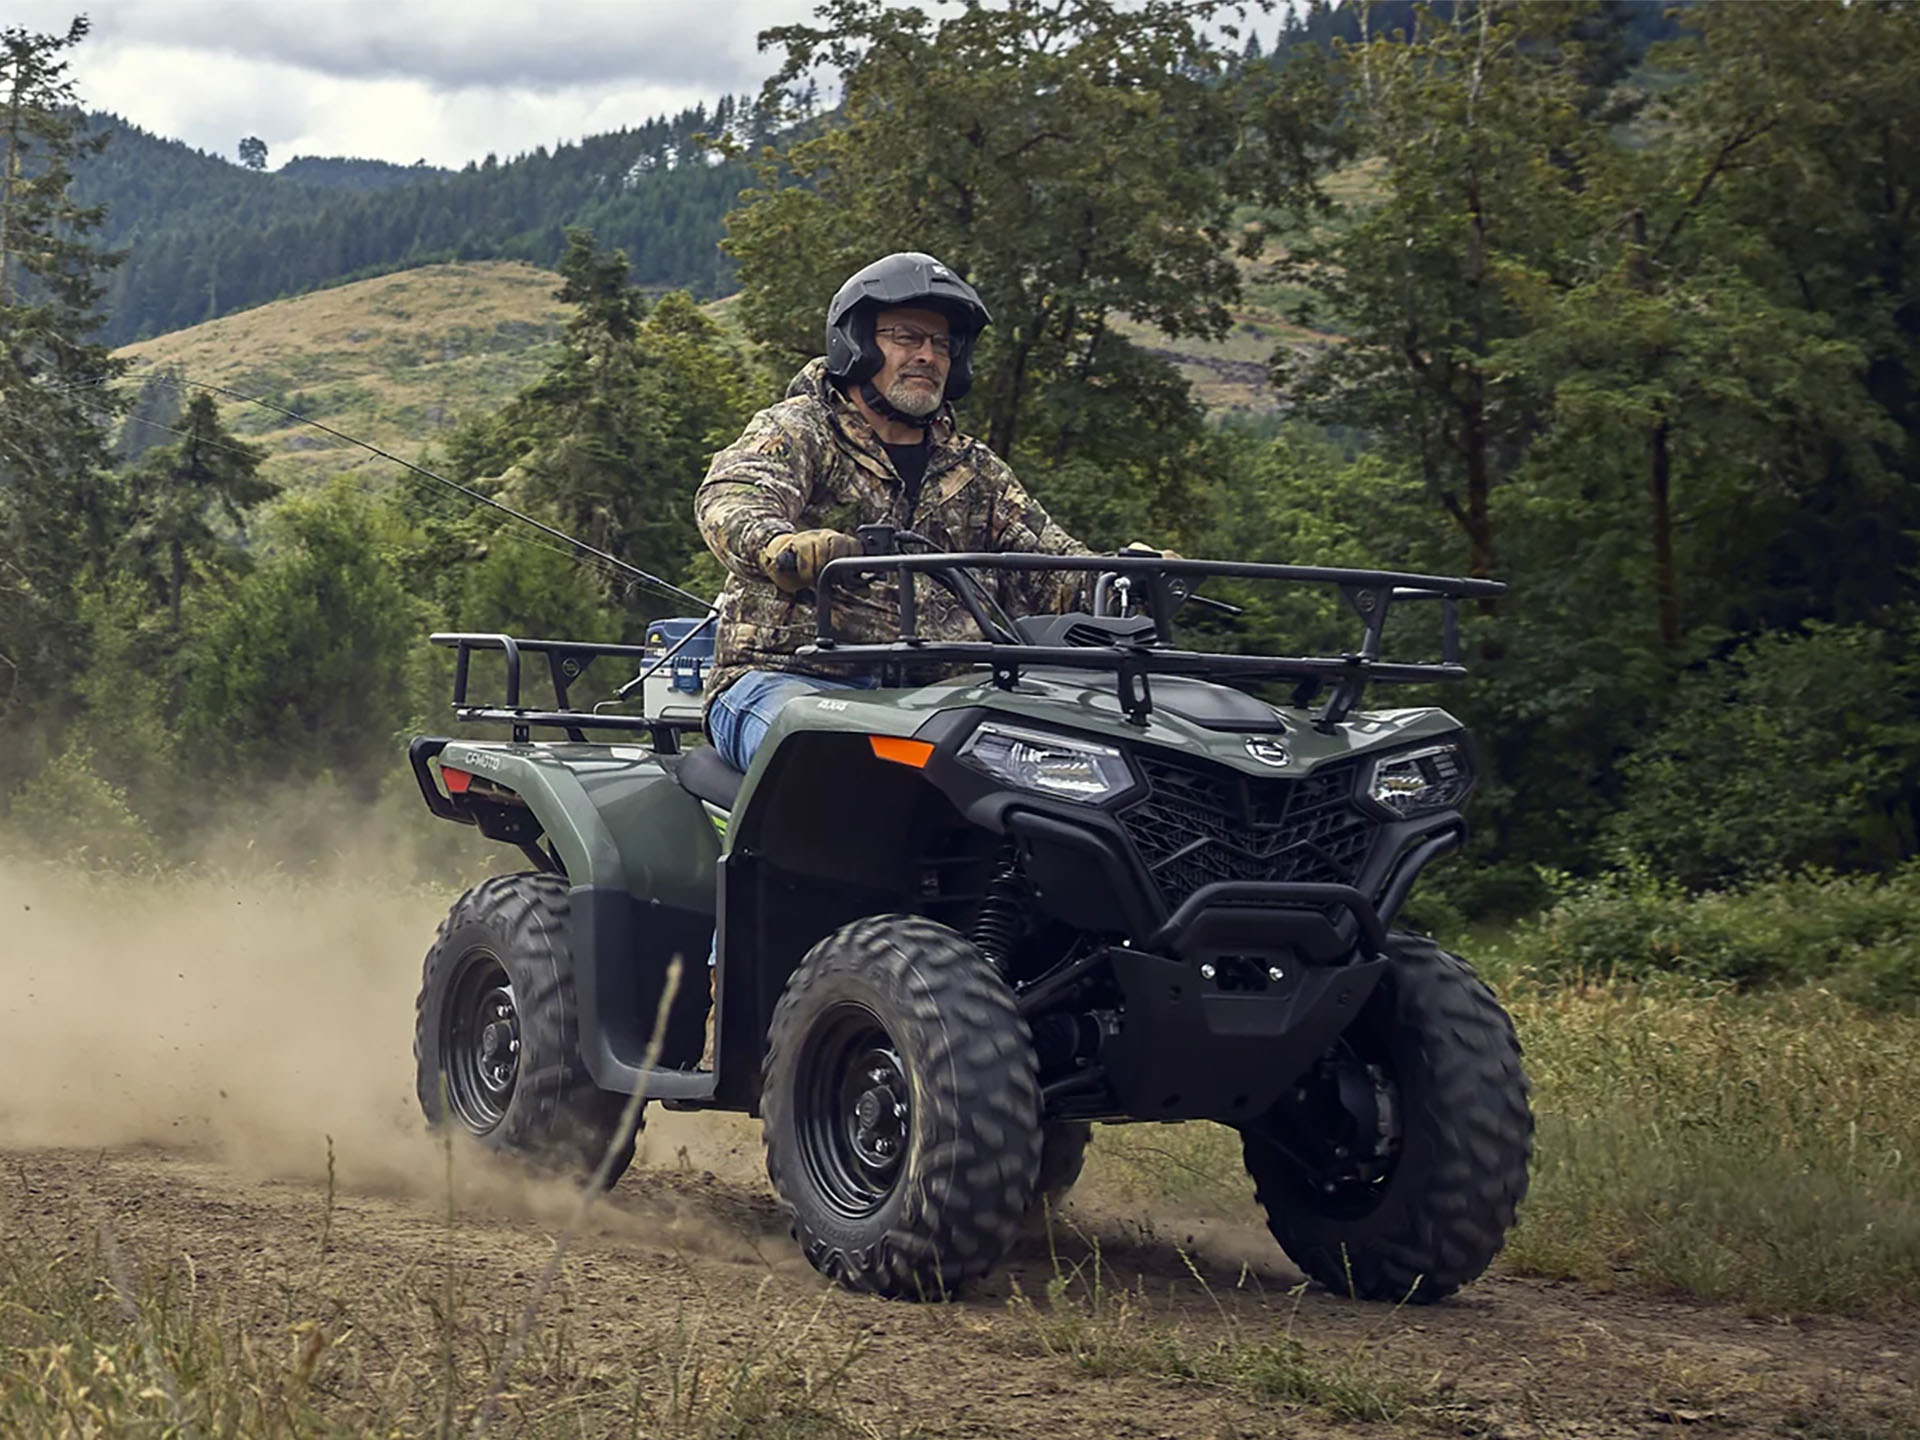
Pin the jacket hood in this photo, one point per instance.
(811, 380)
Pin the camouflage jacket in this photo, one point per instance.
(814, 462)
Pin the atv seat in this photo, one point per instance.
(701, 772)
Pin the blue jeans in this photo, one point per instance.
(739, 720)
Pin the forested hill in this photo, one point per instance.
(1624, 27)
(206, 237)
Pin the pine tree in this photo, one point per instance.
(55, 510)
(152, 417)
(611, 441)
(177, 493)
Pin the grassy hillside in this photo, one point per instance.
(393, 360)
(1229, 374)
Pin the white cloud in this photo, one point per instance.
(442, 80)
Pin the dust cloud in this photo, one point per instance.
(249, 1020)
(252, 1016)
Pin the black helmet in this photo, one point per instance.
(906, 278)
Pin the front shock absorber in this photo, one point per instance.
(1002, 917)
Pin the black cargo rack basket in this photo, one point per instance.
(1371, 594)
(567, 661)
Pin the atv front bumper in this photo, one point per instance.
(1237, 994)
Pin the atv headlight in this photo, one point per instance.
(1070, 769)
(1418, 782)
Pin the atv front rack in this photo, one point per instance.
(1371, 594)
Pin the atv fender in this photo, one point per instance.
(639, 855)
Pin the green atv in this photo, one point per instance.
(1082, 877)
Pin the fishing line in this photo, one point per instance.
(578, 547)
(102, 411)
(400, 497)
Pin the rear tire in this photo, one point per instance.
(901, 1109)
(496, 1040)
(1420, 1213)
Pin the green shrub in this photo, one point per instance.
(68, 813)
(303, 666)
(1857, 935)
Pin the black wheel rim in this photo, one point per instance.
(854, 1109)
(1341, 1130)
(480, 1042)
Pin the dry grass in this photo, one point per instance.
(1760, 1150)
(1104, 1329)
(397, 359)
(97, 1339)
(1231, 374)
(393, 360)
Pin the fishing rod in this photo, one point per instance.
(643, 577)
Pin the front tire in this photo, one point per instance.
(496, 1040)
(901, 1109)
(1395, 1169)
(1063, 1154)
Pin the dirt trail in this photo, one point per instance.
(1512, 1358)
(178, 1061)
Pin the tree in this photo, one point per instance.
(1079, 163)
(1654, 379)
(305, 663)
(176, 492)
(611, 441)
(1798, 748)
(253, 153)
(1478, 125)
(153, 415)
(1821, 213)
(55, 510)
(208, 229)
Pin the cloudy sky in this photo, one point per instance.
(442, 80)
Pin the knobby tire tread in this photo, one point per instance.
(1440, 1229)
(558, 1119)
(975, 1149)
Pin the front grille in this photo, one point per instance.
(1200, 823)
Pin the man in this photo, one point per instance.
(865, 436)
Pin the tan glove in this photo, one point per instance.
(794, 562)
(1141, 550)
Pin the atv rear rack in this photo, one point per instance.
(1371, 594)
(567, 661)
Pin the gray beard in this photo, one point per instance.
(910, 400)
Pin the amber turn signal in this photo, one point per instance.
(901, 752)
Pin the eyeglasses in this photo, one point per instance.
(910, 339)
